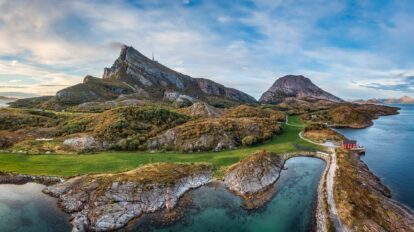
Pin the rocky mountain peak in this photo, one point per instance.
(295, 86)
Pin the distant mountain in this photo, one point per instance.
(402, 100)
(133, 73)
(293, 86)
(3, 98)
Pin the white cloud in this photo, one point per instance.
(44, 49)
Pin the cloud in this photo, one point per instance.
(405, 85)
(242, 44)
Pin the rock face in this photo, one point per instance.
(155, 79)
(254, 173)
(296, 87)
(109, 202)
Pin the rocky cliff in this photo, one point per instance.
(297, 87)
(254, 173)
(109, 202)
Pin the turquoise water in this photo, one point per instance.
(24, 208)
(291, 208)
(390, 152)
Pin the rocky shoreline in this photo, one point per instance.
(11, 178)
(109, 202)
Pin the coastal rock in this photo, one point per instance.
(109, 202)
(254, 174)
(296, 87)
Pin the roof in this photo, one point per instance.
(347, 141)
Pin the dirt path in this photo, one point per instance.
(330, 180)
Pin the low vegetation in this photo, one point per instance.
(109, 162)
(363, 202)
(321, 133)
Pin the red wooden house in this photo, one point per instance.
(349, 144)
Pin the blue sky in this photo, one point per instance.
(354, 49)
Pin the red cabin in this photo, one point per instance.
(349, 144)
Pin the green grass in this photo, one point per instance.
(295, 121)
(72, 165)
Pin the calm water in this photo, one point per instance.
(3, 103)
(24, 208)
(390, 151)
(291, 209)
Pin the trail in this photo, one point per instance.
(330, 181)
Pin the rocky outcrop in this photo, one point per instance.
(10, 178)
(109, 202)
(297, 87)
(214, 134)
(212, 88)
(93, 89)
(81, 143)
(254, 174)
(202, 109)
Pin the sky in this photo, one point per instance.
(353, 49)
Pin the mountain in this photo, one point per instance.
(3, 98)
(295, 86)
(133, 73)
(401, 100)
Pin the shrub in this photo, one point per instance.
(249, 140)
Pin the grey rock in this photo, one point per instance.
(100, 204)
(254, 174)
(297, 87)
(81, 143)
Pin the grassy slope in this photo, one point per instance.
(71, 165)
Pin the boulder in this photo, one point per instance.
(81, 143)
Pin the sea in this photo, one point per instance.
(389, 153)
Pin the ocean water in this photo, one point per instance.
(390, 152)
(291, 208)
(24, 208)
(3, 103)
